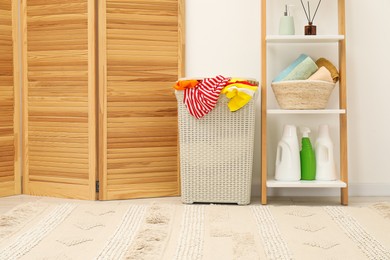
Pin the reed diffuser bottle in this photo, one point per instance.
(310, 29)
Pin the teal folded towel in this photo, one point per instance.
(302, 68)
(292, 66)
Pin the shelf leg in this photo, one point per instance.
(263, 103)
(264, 198)
(344, 196)
(343, 103)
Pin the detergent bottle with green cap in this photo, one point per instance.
(308, 159)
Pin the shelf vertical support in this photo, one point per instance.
(263, 103)
(343, 103)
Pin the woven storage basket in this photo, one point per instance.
(302, 94)
(216, 153)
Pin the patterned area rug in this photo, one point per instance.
(125, 230)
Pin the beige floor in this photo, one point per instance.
(229, 232)
(8, 203)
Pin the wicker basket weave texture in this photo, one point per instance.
(216, 153)
(302, 94)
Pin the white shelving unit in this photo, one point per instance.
(303, 38)
(306, 184)
(324, 111)
(341, 111)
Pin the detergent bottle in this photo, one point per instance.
(326, 166)
(308, 159)
(287, 166)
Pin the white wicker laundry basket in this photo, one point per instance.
(216, 153)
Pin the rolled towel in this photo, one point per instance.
(329, 65)
(303, 71)
(302, 68)
(322, 74)
(292, 66)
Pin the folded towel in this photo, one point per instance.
(292, 66)
(322, 74)
(301, 71)
(327, 64)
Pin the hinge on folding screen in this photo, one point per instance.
(97, 186)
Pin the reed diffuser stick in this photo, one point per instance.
(308, 16)
(304, 9)
(316, 11)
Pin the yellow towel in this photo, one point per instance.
(322, 74)
(327, 64)
(238, 80)
(239, 94)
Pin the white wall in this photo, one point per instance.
(369, 94)
(223, 37)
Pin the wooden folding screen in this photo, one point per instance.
(59, 98)
(9, 99)
(140, 57)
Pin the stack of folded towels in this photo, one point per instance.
(304, 68)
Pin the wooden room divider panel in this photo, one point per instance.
(9, 99)
(59, 98)
(140, 58)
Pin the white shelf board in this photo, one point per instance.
(306, 184)
(315, 111)
(303, 38)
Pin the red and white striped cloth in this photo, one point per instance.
(201, 99)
